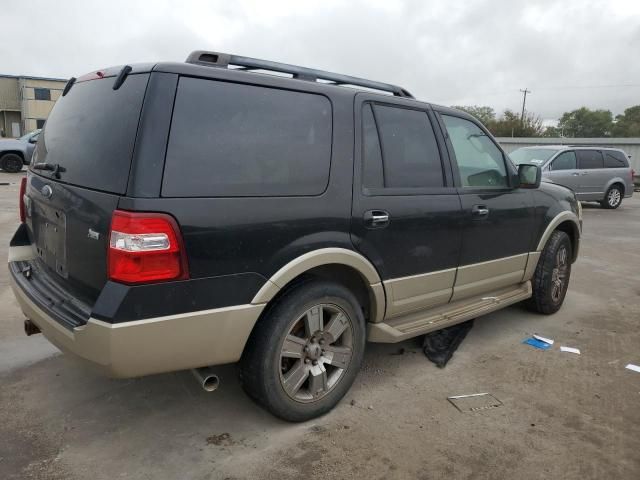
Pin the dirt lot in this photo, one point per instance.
(564, 416)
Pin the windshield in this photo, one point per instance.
(537, 156)
(26, 136)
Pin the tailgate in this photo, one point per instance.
(78, 173)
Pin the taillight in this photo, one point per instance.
(23, 191)
(145, 247)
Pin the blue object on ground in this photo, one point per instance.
(534, 342)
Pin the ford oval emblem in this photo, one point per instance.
(46, 191)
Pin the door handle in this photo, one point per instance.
(584, 173)
(575, 174)
(479, 211)
(376, 218)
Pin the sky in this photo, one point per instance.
(569, 53)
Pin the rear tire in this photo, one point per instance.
(11, 163)
(551, 278)
(613, 198)
(305, 352)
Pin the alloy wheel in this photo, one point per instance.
(316, 352)
(559, 274)
(613, 198)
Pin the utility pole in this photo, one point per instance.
(524, 101)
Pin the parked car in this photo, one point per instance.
(16, 152)
(594, 173)
(185, 215)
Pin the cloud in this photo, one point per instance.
(475, 52)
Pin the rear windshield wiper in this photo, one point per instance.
(55, 168)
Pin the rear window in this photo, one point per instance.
(91, 132)
(231, 139)
(615, 159)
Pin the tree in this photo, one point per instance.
(627, 124)
(552, 132)
(485, 114)
(511, 125)
(583, 122)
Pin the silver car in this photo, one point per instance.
(595, 174)
(14, 153)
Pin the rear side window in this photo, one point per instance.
(91, 131)
(404, 154)
(590, 159)
(230, 139)
(615, 159)
(564, 161)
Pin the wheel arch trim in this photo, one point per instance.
(321, 257)
(562, 217)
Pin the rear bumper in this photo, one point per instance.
(152, 345)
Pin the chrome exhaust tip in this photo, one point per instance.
(31, 328)
(208, 380)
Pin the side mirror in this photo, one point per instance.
(33, 139)
(529, 175)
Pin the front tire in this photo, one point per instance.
(11, 163)
(305, 352)
(613, 198)
(551, 278)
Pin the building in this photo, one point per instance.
(25, 102)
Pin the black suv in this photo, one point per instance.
(182, 215)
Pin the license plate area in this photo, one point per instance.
(50, 231)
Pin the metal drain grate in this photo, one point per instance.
(475, 402)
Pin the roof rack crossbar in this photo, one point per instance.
(224, 60)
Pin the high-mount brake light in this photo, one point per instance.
(145, 247)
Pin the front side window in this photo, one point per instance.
(590, 159)
(564, 161)
(480, 162)
(230, 139)
(42, 94)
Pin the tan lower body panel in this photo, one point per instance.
(476, 279)
(143, 347)
(417, 292)
(419, 323)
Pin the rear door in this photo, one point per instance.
(498, 218)
(78, 172)
(563, 170)
(593, 176)
(406, 213)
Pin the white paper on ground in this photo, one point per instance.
(543, 339)
(570, 350)
(635, 368)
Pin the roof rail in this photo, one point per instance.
(225, 60)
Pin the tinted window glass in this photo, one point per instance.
(614, 159)
(230, 139)
(409, 149)
(371, 153)
(479, 160)
(564, 161)
(91, 132)
(588, 159)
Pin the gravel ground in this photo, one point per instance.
(563, 416)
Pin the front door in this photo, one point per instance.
(563, 170)
(498, 218)
(406, 211)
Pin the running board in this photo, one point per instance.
(418, 323)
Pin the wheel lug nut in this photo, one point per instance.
(315, 362)
(306, 349)
(322, 341)
(306, 360)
